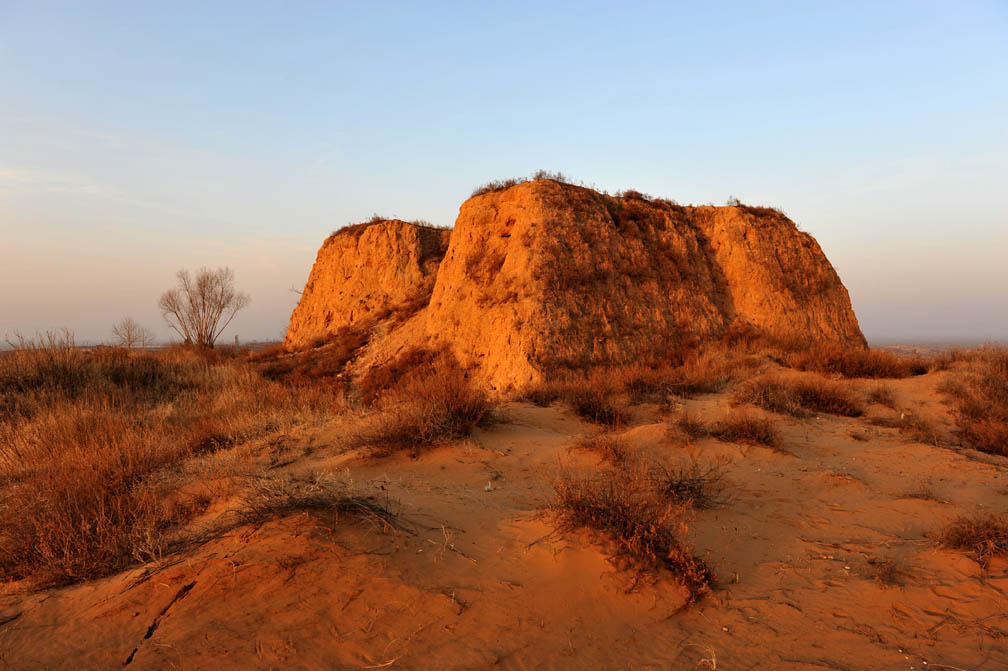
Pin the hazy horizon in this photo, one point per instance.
(140, 140)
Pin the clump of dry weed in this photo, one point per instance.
(609, 449)
(427, 410)
(646, 532)
(800, 397)
(985, 537)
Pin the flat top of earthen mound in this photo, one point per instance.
(356, 230)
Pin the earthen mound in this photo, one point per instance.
(363, 274)
(544, 275)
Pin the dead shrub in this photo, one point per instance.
(609, 449)
(691, 483)
(437, 408)
(409, 369)
(599, 405)
(689, 425)
(985, 537)
(276, 495)
(800, 398)
(914, 426)
(645, 533)
(745, 428)
(886, 572)
(882, 395)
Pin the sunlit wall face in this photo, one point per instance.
(138, 140)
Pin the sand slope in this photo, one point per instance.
(480, 580)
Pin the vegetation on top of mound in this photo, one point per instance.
(502, 184)
(356, 230)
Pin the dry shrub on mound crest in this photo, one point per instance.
(745, 428)
(277, 495)
(646, 533)
(599, 404)
(914, 426)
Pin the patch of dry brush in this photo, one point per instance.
(985, 537)
(425, 410)
(646, 532)
(801, 397)
(739, 427)
(855, 362)
(93, 443)
(979, 386)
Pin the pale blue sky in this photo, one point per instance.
(140, 138)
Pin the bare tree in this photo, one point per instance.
(131, 334)
(200, 309)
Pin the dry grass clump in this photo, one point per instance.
(736, 428)
(501, 184)
(692, 483)
(689, 425)
(92, 445)
(609, 449)
(855, 362)
(599, 405)
(324, 359)
(277, 495)
(882, 395)
(425, 411)
(914, 426)
(407, 369)
(980, 391)
(646, 532)
(800, 398)
(749, 429)
(985, 537)
(885, 572)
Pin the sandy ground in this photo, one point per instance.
(480, 580)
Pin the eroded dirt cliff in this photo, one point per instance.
(544, 275)
(364, 273)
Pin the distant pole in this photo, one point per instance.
(236, 343)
